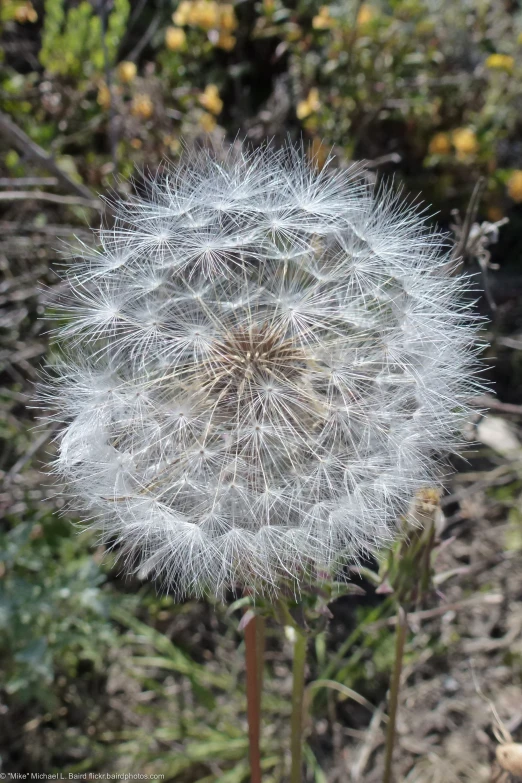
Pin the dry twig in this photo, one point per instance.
(32, 151)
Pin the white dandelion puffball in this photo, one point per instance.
(261, 363)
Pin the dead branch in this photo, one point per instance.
(54, 198)
(33, 151)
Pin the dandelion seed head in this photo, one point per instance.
(263, 361)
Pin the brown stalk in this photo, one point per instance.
(254, 643)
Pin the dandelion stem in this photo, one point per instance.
(298, 671)
(254, 648)
(260, 653)
(400, 641)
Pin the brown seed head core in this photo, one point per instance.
(257, 353)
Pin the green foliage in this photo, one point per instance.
(431, 86)
(54, 615)
(72, 40)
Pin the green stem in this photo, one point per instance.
(395, 686)
(298, 672)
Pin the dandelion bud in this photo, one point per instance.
(262, 363)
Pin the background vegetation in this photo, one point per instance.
(101, 674)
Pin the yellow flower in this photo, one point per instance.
(227, 18)
(514, 186)
(182, 14)
(175, 38)
(207, 122)
(103, 98)
(142, 107)
(126, 71)
(366, 14)
(323, 20)
(136, 144)
(204, 14)
(310, 105)
(500, 62)
(440, 144)
(25, 13)
(465, 142)
(226, 41)
(210, 99)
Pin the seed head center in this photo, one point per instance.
(247, 354)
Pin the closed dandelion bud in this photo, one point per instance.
(509, 756)
(262, 361)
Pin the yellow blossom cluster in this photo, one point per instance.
(209, 15)
(440, 144)
(226, 41)
(210, 99)
(126, 71)
(142, 107)
(366, 14)
(323, 20)
(310, 105)
(175, 38)
(514, 186)
(207, 122)
(500, 62)
(25, 13)
(463, 140)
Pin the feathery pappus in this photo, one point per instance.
(261, 363)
